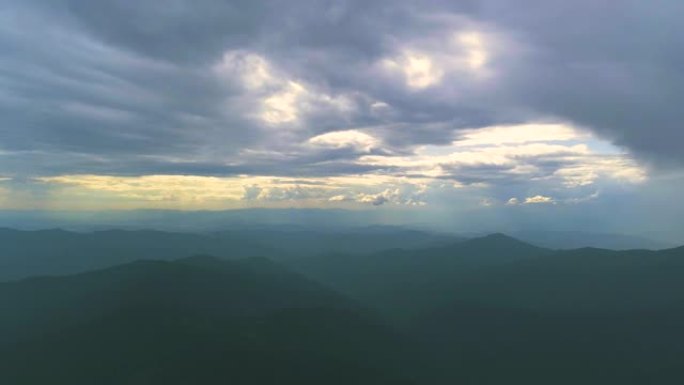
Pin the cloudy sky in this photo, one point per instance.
(535, 111)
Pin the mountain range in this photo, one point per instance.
(56, 251)
(486, 310)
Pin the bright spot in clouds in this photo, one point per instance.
(419, 70)
(524, 133)
(277, 97)
(203, 192)
(538, 199)
(283, 106)
(423, 66)
(348, 138)
(476, 53)
(541, 153)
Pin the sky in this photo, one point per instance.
(528, 113)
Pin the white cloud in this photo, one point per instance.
(533, 200)
(584, 172)
(537, 199)
(513, 202)
(338, 198)
(410, 195)
(426, 63)
(419, 69)
(519, 134)
(539, 152)
(356, 139)
(289, 193)
(203, 192)
(155, 188)
(379, 106)
(474, 45)
(284, 106)
(374, 199)
(276, 97)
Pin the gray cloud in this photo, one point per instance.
(124, 87)
(610, 66)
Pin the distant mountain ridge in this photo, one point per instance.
(579, 239)
(55, 252)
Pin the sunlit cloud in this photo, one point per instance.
(425, 64)
(419, 70)
(524, 133)
(283, 106)
(202, 192)
(538, 199)
(474, 45)
(355, 139)
(532, 200)
(533, 152)
(543, 157)
(155, 187)
(277, 98)
(407, 194)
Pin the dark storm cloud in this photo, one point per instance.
(613, 66)
(126, 87)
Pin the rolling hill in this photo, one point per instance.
(197, 320)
